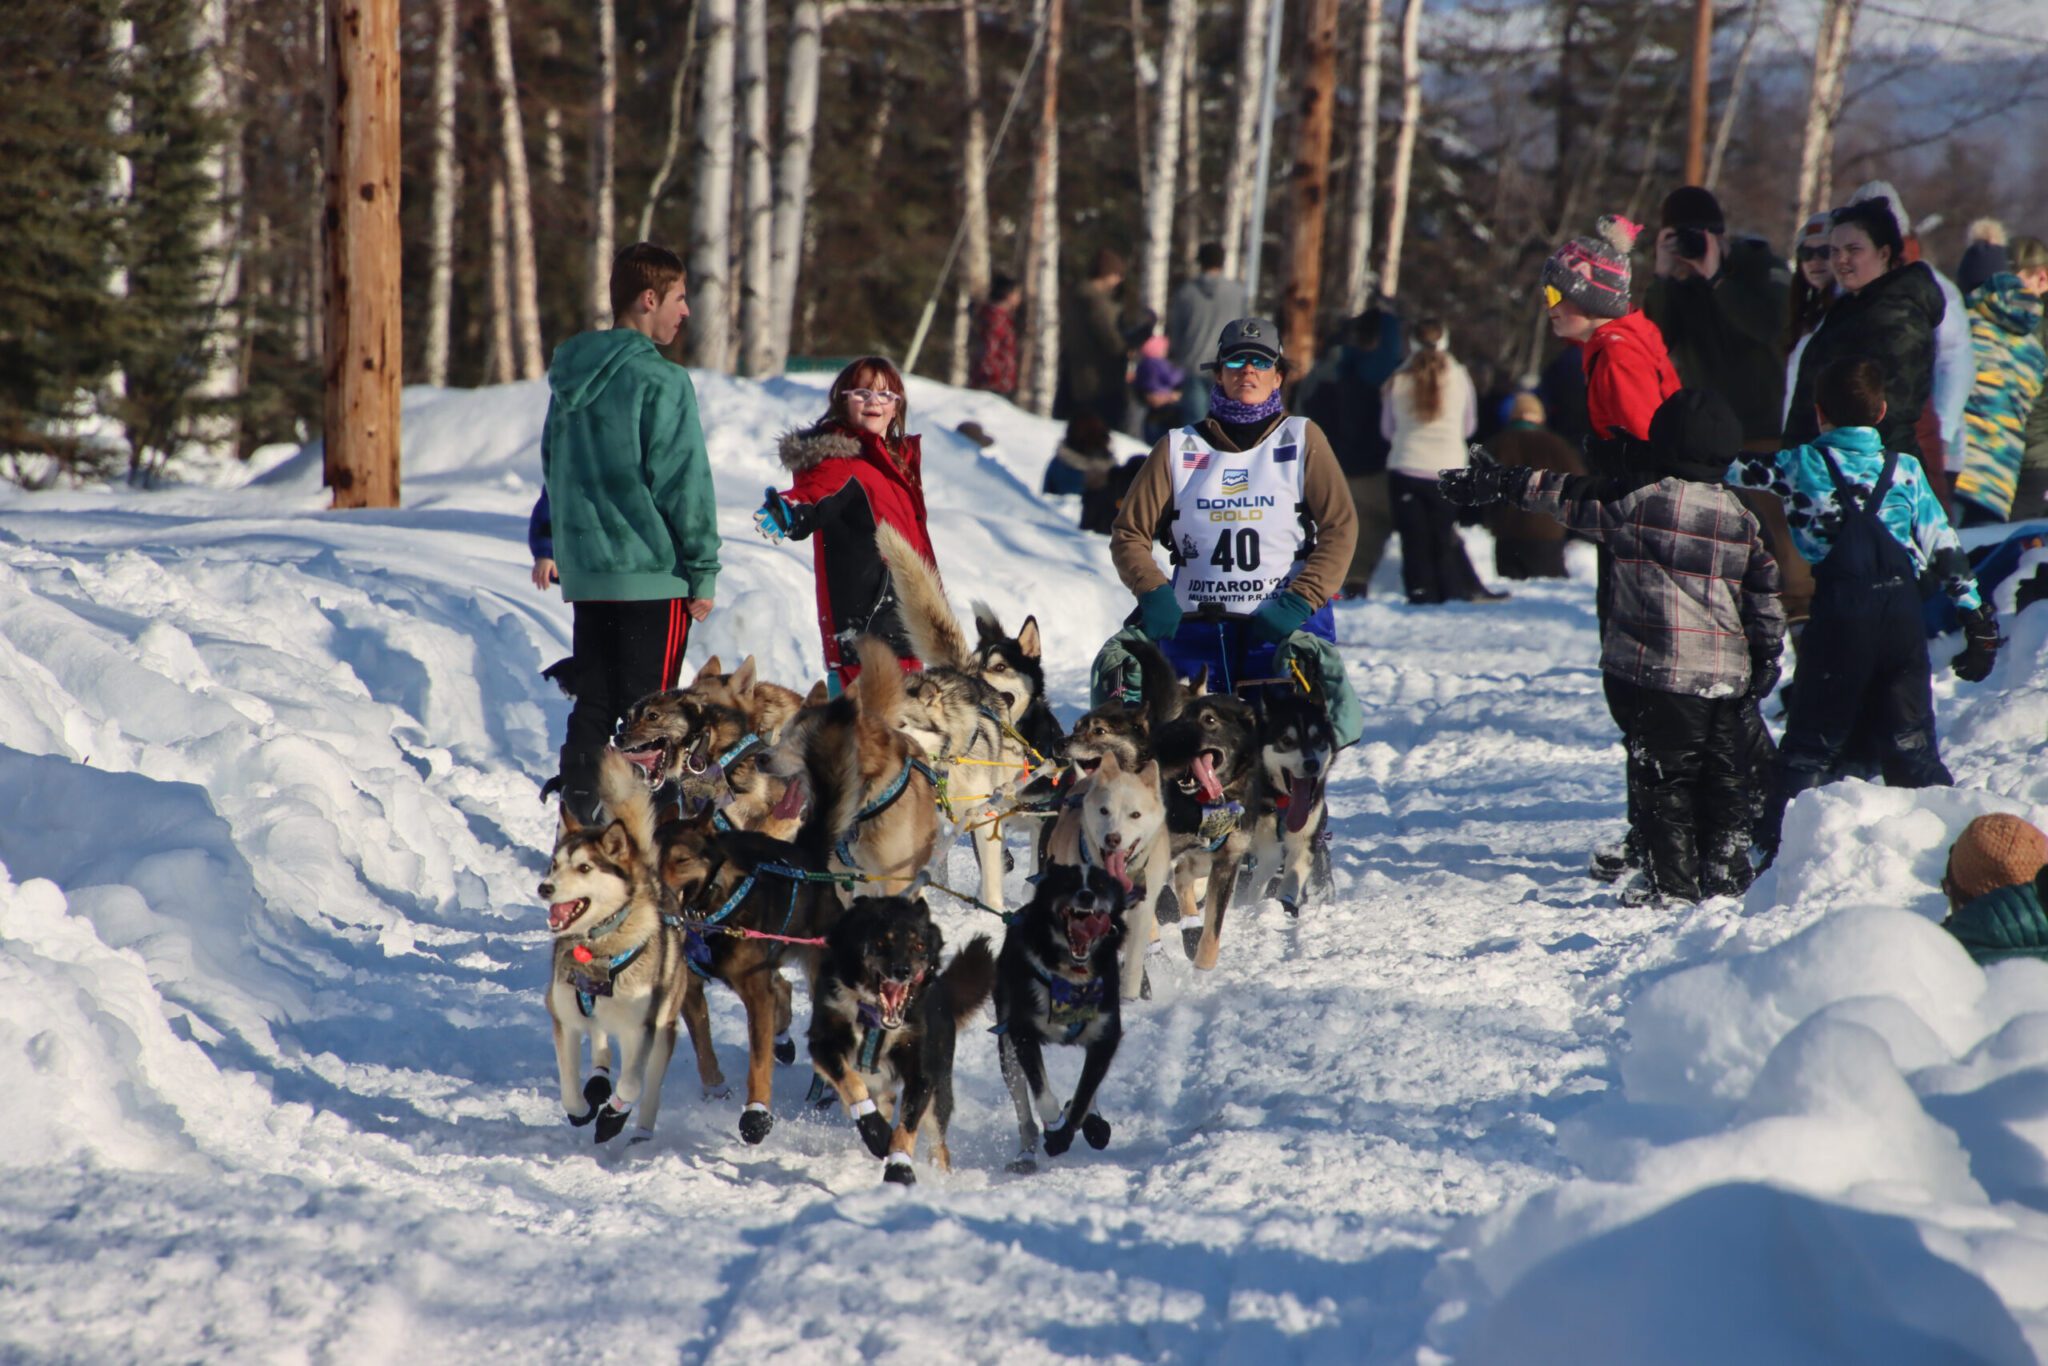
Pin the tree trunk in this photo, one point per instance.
(1189, 215)
(711, 216)
(672, 147)
(1736, 83)
(1404, 145)
(793, 175)
(1823, 108)
(216, 427)
(445, 186)
(1039, 364)
(1247, 94)
(757, 213)
(603, 170)
(1141, 113)
(1161, 184)
(1365, 162)
(500, 365)
(1696, 108)
(518, 199)
(1262, 160)
(974, 259)
(1309, 181)
(364, 337)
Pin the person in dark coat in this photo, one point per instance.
(1887, 312)
(1342, 396)
(1094, 354)
(1717, 299)
(854, 470)
(1529, 545)
(1694, 635)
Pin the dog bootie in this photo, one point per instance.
(1096, 1130)
(785, 1050)
(874, 1130)
(596, 1092)
(755, 1122)
(611, 1119)
(897, 1170)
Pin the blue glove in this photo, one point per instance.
(1280, 616)
(1159, 613)
(773, 518)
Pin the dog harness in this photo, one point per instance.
(1070, 1005)
(697, 950)
(1240, 527)
(589, 983)
(746, 747)
(844, 851)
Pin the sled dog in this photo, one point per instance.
(617, 963)
(885, 1015)
(1056, 984)
(1297, 745)
(1209, 765)
(706, 743)
(1116, 821)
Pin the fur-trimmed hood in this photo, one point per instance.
(807, 447)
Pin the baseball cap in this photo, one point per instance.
(1256, 336)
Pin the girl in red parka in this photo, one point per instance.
(853, 471)
(1628, 372)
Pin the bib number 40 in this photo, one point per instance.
(1236, 551)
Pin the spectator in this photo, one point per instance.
(1427, 414)
(1094, 357)
(1994, 887)
(2005, 327)
(1955, 366)
(1529, 545)
(993, 344)
(1082, 460)
(1888, 311)
(1196, 316)
(1811, 293)
(1158, 383)
(1715, 299)
(1983, 257)
(1870, 524)
(1628, 371)
(1342, 396)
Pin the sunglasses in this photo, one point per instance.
(1255, 362)
(1819, 253)
(1551, 298)
(881, 396)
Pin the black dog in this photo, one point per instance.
(1056, 983)
(1288, 814)
(885, 1013)
(1209, 773)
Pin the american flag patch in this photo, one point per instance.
(1193, 457)
(1284, 453)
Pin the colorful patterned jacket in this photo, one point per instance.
(2005, 331)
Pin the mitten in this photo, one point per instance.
(1764, 672)
(1483, 482)
(1280, 616)
(1980, 645)
(1159, 612)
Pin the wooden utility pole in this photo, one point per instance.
(1309, 182)
(364, 350)
(1702, 64)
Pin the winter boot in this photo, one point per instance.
(1726, 869)
(1640, 891)
(579, 784)
(1613, 860)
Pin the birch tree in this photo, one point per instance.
(1309, 181)
(603, 172)
(518, 199)
(444, 187)
(1244, 149)
(1039, 364)
(499, 365)
(1191, 217)
(756, 283)
(1365, 163)
(1736, 82)
(1823, 109)
(1160, 185)
(804, 52)
(974, 251)
(672, 146)
(1404, 145)
(219, 369)
(711, 214)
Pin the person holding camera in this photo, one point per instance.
(1719, 302)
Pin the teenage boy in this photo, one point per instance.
(1693, 634)
(1871, 526)
(631, 508)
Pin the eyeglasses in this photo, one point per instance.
(881, 396)
(1255, 362)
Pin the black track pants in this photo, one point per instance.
(622, 651)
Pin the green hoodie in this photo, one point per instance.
(629, 484)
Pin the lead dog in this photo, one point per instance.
(1209, 762)
(618, 957)
(885, 1015)
(1116, 821)
(1297, 746)
(1055, 984)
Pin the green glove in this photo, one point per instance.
(1158, 613)
(1280, 616)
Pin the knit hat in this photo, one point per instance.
(1992, 852)
(1592, 272)
(1693, 206)
(1694, 435)
(1882, 189)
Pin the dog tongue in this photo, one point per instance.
(1205, 777)
(1115, 865)
(1301, 798)
(791, 803)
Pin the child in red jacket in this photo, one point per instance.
(1628, 372)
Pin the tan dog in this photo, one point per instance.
(708, 741)
(1116, 821)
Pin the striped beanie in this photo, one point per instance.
(1592, 272)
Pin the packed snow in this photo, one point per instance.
(278, 1081)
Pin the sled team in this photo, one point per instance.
(714, 832)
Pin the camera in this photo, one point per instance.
(1691, 243)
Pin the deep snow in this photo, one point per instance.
(278, 1083)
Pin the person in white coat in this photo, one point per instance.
(1429, 411)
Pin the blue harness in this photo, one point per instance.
(1070, 1005)
(697, 951)
(887, 798)
(745, 747)
(587, 984)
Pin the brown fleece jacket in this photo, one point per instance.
(1149, 504)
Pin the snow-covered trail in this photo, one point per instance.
(277, 1070)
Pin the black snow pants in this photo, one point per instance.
(1689, 786)
(622, 651)
(1434, 566)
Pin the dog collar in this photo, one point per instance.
(748, 743)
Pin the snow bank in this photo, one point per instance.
(1825, 1145)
